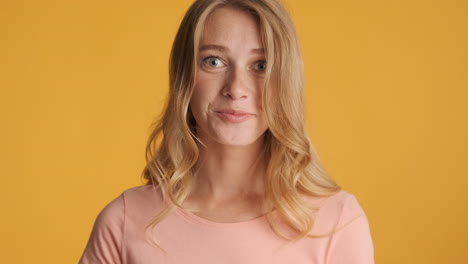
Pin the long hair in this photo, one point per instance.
(294, 170)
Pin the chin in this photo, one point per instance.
(235, 143)
(230, 137)
(238, 140)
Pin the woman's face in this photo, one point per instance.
(226, 100)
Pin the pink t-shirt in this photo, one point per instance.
(119, 235)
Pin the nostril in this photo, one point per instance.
(235, 88)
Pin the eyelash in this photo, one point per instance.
(216, 57)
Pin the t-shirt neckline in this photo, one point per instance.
(197, 219)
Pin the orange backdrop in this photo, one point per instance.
(386, 108)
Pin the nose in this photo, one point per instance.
(237, 84)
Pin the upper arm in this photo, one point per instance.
(353, 243)
(105, 242)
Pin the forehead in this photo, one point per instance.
(230, 27)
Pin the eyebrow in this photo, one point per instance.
(225, 49)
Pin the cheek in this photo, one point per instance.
(207, 87)
(209, 83)
(194, 101)
(201, 99)
(259, 95)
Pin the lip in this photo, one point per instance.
(233, 112)
(234, 116)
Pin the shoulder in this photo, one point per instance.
(105, 242)
(141, 204)
(337, 210)
(352, 242)
(344, 204)
(112, 213)
(132, 199)
(131, 207)
(343, 225)
(138, 193)
(144, 197)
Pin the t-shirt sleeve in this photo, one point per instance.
(105, 242)
(352, 244)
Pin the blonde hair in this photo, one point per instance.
(294, 169)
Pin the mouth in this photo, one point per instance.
(234, 116)
(233, 112)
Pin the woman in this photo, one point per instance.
(231, 174)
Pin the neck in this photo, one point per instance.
(224, 172)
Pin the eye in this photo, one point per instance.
(260, 66)
(213, 61)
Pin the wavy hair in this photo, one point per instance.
(294, 170)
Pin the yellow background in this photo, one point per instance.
(386, 108)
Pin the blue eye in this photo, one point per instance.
(213, 61)
(261, 66)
